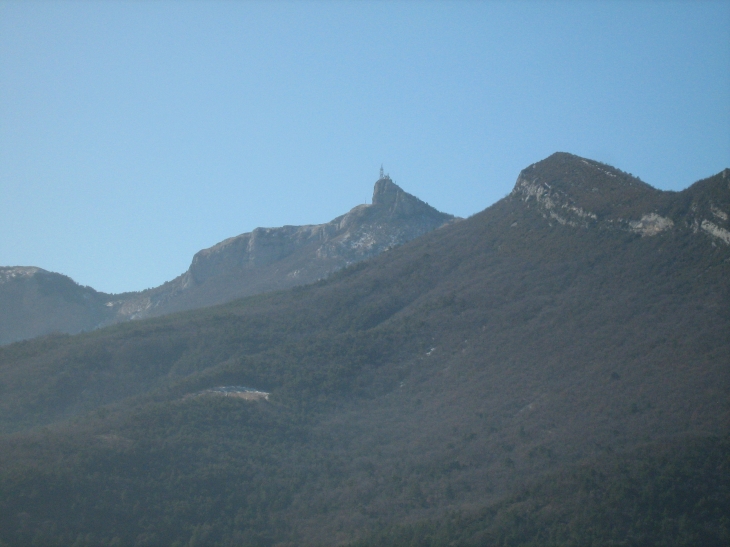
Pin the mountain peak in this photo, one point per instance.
(391, 198)
(565, 184)
(579, 192)
(574, 174)
(276, 258)
(386, 191)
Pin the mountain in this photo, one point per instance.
(269, 259)
(36, 302)
(552, 370)
(589, 194)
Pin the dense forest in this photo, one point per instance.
(523, 377)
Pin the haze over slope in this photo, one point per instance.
(580, 321)
(34, 302)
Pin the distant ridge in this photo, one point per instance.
(278, 258)
(36, 302)
(566, 190)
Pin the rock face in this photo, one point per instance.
(582, 193)
(263, 260)
(307, 253)
(269, 259)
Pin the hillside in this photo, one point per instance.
(473, 375)
(34, 302)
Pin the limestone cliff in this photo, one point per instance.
(582, 193)
(35, 302)
(269, 259)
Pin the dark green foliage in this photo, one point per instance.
(506, 362)
(675, 493)
(170, 472)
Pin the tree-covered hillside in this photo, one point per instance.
(470, 376)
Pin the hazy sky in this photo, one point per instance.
(133, 134)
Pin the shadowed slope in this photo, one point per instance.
(446, 376)
(34, 302)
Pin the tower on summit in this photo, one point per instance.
(383, 174)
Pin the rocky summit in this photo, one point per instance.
(270, 259)
(578, 192)
(263, 260)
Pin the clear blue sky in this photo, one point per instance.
(133, 134)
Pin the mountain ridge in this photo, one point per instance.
(621, 201)
(567, 189)
(262, 260)
(292, 255)
(441, 378)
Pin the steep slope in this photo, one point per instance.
(34, 302)
(270, 259)
(448, 376)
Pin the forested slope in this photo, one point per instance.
(448, 376)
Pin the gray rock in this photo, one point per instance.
(268, 259)
(35, 302)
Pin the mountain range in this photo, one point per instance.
(550, 371)
(34, 302)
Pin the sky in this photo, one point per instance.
(134, 134)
